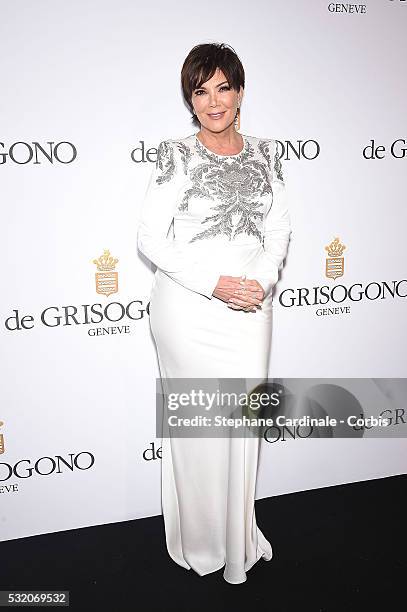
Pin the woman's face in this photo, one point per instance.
(215, 102)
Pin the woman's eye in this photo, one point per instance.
(201, 91)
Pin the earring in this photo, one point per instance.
(237, 117)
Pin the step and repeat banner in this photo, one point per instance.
(89, 89)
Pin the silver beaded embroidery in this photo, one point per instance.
(264, 148)
(278, 167)
(237, 185)
(185, 154)
(165, 163)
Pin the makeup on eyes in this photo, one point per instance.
(227, 87)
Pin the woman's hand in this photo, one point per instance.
(226, 287)
(240, 293)
(248, 297)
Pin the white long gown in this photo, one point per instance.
(230, 217)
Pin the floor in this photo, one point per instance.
(340, 548)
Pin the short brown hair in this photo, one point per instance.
(200, 65)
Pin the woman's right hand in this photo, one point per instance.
(240, 293)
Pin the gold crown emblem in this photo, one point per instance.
(335, 248)
(334, 264)
(106, 278)
(105, 262)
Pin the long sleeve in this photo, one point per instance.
(277, 231)
(173, 257)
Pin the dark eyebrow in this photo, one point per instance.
(218, 85)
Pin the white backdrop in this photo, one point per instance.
(95, 84)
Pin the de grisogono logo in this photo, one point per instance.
(301, 149)
(21, 153)
(334, 298)
(43, 466)
(114, 316)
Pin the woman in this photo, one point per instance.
(211, 304)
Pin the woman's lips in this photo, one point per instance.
(216, 115)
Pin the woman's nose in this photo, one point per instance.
(213, 99)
